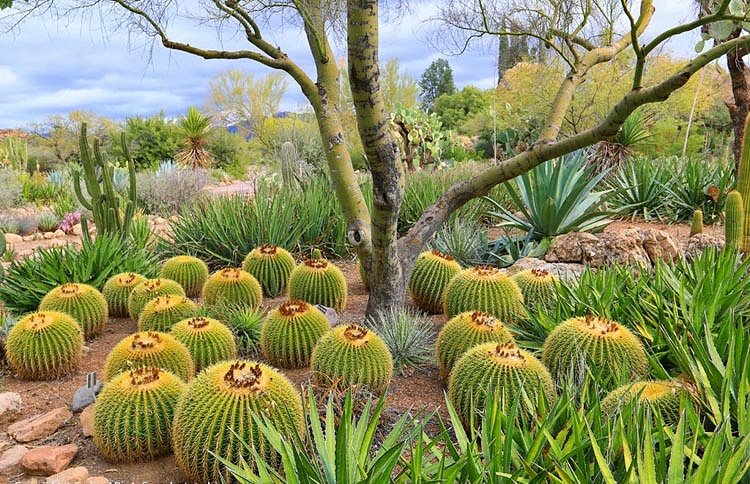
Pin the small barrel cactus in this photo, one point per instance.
(232, 286)
(352, 355)
(663, 396)
(44, 346)
(735, 220)
(290, 333)
(507, 370)
(188, 271)
(486, 289)
(318, 281)
(218, 412)
(148, 290)
(593, 343)
(163, 312)
(465, 331)
(539, 288)
(147, 349)
(271, 266)
(117, 291)
(433, 271)
(132, 419)
(83, 302)
(207, 340)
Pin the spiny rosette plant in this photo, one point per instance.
(592, 343)
(148, 290)
(163, 312)
(146, 349)
(290, 332)
(487, 289)
(318, 281)
(218, 413)
(117, 290)
(207, 340)
(232, 286)
(510, 373)
(271, 265)
(44, 345)
(539, 288)
(132, 419)
(663, 396)
(352, 355)
(433, 271)
(83, 302)
(465, 331)
(188, 271)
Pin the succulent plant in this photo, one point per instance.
(117, 291)
(83, 302)
(44, 345)
(352, 355)
(465, 331)
(271, 266)
(735, 220)
(188, 271)
(318, 281)
(590, 342)
(507, 371)
(163, 312)
(696, 225)
(538, 287)
(663, 396)
(432, 273)
(146, 349)
(217, 414)
(148, 290)
(487, 289)
(132, 419)
(290, 333)
(232, 286)
(207, 340)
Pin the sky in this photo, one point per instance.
(49, 67)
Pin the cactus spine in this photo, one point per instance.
(318, 281)
(271, 266)
(539, 288)
(148, 290)
(83, 302)
(290, 333)
(188, 271)
(735, 220)
(487, 289)
(743, 186)
(148, 349)
(207, 340)
(289, 163)
(234, 287)
(117, 291)
(162, 313)
(663, 396)
(432, 272)
(696, 226)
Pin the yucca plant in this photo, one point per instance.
(639, 187)
(245, 322)
(614, 152)
(700, 184)
(195, 128)
(409, 337)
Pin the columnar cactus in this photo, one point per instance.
(216, 417)
(232, 286)
(539, 288)
(487, 289)
(696, 226)
(163, 312)
(735, 220)
(271, 266)
(188, 271)
(148, 290)
(318, 281)
(83, 302)
(352, 355)
(132, 419)
(663, 396)
(147, 349)
(44, 346)
(432, 272)
(207, 340)
(290, 333)
(117, 290)
(743, 187)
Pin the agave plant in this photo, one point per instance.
(640, 187)
(195, 128)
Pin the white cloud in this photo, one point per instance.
(8, 78)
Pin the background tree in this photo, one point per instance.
(453, 110)
(436, 80)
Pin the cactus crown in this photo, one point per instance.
(483, 320)
(484, 272)
(70, 289)
(599, 327)
(292, 308)
(230, 273)
(540, 273)
(316, 263)
(507, 352)
(153, 284)
(247, 379)
(165, 302)
(356, 335)
(39, 321)
(143, 377)
(268, 249)
(198, 322)
(148, 341)
(127, 279)
(441, 255)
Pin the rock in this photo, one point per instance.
(28, 238)
(700, 242)
(10, 406)
(74, 475)
(568, 247)
(59, 234)
(48, 459)
(331, 315)
(85, 396)
(49, 235)
(77, 230)
(24, 253)
(5, 444)
(39, 426)
(87, 420)
(624, 247)
(563, 270)
(10, 460)
(97, 480)
(659, 246)
(13, 238)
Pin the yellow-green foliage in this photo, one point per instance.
(663, 396)
(207, 340)
(188, 271)
(148, 290)
(271, 266)
(84, 303)
(465, 331)
(290, 332)
(352, 355)
(163, 312)
(117, 291)
(506, 370)
(318, 281)
(232, 286)
(218, 411)
(486, 289)
(538, 288)
(596, 344)
(432, 273)
(44, 345)
(132, 420)
(147, 349)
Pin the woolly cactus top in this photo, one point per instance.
(149, 341)
(541, 274)
(244, 378)
(652, 390)
(153, 284)
(292, 308)
(198, 323)
(597, 327)
(483, 321)
(167, 302)
(485, 272)
(42, 319)
(268, 249)
(127, 279)
(319, 264)
(507, 354)
(441, 255)
(354, 334)
(72, 289)
(141, 379)
(230, 274)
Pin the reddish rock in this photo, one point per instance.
(700, 242)
(48, 459)
(39, 426)
(86, 420)
(10, 460)
(568, 247)
(74, 475)
(659, 246)
(97, 480)
(624, 247)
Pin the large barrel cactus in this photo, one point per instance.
(83, 302)
(188, 271)
(147, 349)
(318, 281)
(432, 272)
(207, 340)
(148, 290)
(663, 396)
(163, 312)
(271, 266)
(539, 288)
(234, 287)
(290, 333)
(486, 289)
(117, 291)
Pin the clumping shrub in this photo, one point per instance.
(409, 337)
(10, 188)
(169, 191)
(70, 220)
(27, 225)
(8, 225)
(48, 222)
(245, 322)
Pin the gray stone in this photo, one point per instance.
(10, 406)
(85, 396)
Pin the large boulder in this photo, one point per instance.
(563, 270)
(696, 244)
(569, 247)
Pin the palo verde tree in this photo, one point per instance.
(584, 33)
